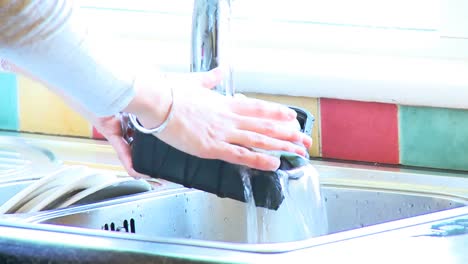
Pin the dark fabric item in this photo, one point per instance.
(157, 159)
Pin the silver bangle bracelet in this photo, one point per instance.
(133, 119)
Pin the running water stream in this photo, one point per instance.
(301, 215)
(251, 214)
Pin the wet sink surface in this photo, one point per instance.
(199, 215)
(355, 198)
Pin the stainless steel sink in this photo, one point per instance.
(362, 202)
(199, 215)
(356, 197)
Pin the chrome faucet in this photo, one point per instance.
(211, 43)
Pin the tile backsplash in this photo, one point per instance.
(434, 137)
(359, 131)
(42, 111)
(343, 129)
(8, 102)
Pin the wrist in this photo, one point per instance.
(150, 105)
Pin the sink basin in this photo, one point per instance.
(356, 197)
(199, 215)
(361, 201)
(174, 223)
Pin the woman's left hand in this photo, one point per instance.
(111, 129)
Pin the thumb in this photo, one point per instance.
(211, 78)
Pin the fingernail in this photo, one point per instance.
(300, 151)
(307, 141)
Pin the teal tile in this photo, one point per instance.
(8, 102)
(434, 137)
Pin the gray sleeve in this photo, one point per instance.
(50, 40)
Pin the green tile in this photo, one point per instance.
(434, 137)
(8, 102)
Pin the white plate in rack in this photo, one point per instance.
(58, 178)
(108, 190)
(50, 200)
(27, 207)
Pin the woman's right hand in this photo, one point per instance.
(209, 125)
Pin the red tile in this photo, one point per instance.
(361, 131)
(97, 135)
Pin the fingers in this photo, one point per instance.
(242, 156)
(123, 151)
(270, 128)
(307, 141)
(261, 117)
(124, 154)
(255, 140)
(278, 130)
(262, 109)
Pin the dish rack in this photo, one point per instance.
(68, 186)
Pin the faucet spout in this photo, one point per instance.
(211, 40)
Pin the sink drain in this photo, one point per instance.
(126, 226)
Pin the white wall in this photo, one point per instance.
(307, 59)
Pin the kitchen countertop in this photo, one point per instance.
(70, 150)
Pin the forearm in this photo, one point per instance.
(9, 67)
(49, 39)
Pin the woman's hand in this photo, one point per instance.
(209, 125)
(111, 129)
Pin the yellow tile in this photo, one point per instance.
(311, 104)
(42, 111)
